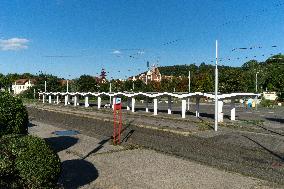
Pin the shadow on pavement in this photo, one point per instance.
(77, 173)
(269, 130)
(128, 135)
(61, 143)
(101, 145)
(268, 150)
(275, 119)
(31, 125)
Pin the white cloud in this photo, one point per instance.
(116, 52)
(13, 44)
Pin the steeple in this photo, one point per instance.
(103, 74)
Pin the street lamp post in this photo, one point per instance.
(216, 89)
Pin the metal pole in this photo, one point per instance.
(110, 92)
(67, 85)
(216, 89)
(44, 86)
(189, 81)
(256, 90)
(188, 89)
(256, 82)
(146, 78)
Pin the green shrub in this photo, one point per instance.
(27, 162)
(266, 103)
(13, 115)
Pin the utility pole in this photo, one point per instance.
(216, 89)
(188, 89)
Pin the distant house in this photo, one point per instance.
(21, 85)
(151, 75)
(270, 95)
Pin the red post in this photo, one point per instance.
(117, 125)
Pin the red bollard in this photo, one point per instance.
(117, 125)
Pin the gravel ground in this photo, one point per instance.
(254, 154)
(90, 162)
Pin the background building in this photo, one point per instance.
(21, 85)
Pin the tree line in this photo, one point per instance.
(270, 77)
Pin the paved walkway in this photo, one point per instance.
(92, 162)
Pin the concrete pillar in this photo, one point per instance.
(133, 104)
(128, 103)
(169, 105)
(188, 104)
(99, 102)
(86, 101)
(66, 100)
(233, 110)
(113, 102)
(155, 106)
(147, 104)
(183, 108)
(220, 111)
(49, 99)
(57, 99)
(75, 100)
(43, 98)
(197, 107)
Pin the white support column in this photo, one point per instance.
(113, 102)
(99, 102)
(188, 100)
(183, 108)
(86, 101)
(233, 109)
(128, 103)
(43, 98)
(147, 104)
(57, 99)
(169, 105)
(75, 100)
(220, 110)
(133, 104)
(155, 106)
(197, 107)
(49, 99)
(66, 100)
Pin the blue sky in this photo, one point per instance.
(69, 38)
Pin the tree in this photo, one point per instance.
(87, 83)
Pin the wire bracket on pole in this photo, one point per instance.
(117, 120)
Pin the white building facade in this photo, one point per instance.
(21, 85)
